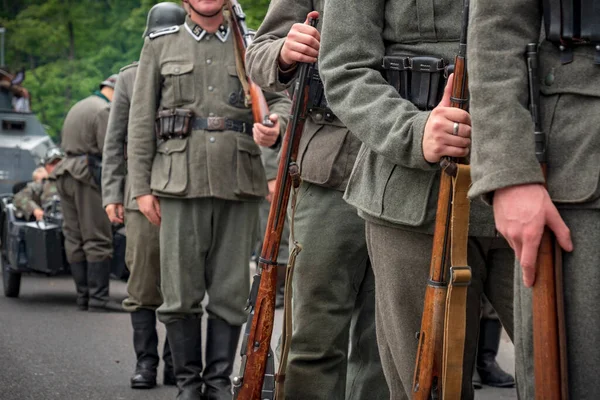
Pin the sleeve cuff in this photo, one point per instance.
(485, 186)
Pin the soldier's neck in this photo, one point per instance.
(209, 24)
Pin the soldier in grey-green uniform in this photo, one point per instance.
(395, 180)
(505, 168)
(142, 252)
(201, 183)
(31, 199)
(333, 282)
(87, 230)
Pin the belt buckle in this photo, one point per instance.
(215, 124)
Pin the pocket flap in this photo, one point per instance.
(176, 69)
(172, 146)
(247, 145)
(232, 70)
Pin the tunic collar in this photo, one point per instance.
(199, 33)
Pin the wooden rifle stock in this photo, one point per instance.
(427, 381)
(549, 338)
(259, 328)
(243, 38)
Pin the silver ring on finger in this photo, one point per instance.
(455, 128)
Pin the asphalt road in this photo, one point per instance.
(51, 351)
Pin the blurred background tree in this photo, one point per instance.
(67, 47)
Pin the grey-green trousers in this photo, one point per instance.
(87, 229)
(581, 272)
(333, 351)
(401, 261)
(142, 257)
(204, 247)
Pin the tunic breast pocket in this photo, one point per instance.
(178, 84)
(170, 167)
(234, 90)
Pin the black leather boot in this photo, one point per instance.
(168, 374)
(221, 345)
(476, 380)
(489, 340)
(145, 343)
(185, 340)
(280, 294)
(79, 273)
(98, 281)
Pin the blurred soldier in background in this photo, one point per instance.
(87, 230)
(142, 254)
(201, 183)
(38, 174)
(31, 199)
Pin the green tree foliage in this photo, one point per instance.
(68, 47)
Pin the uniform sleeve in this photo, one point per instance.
(24, 201)
(263, 53)
(101, 123)
(352, 50)
(503, 152)
(113, 157)
(270, 159)
(280, 104)
(141, 145)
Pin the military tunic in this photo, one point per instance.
(87, 230)
(333, 282)
(210, 182)
(504, 155)
(392, 185)
(142, 254)
(34, 196)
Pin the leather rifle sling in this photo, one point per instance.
(286, 332)
(456, 298)
(240, 65)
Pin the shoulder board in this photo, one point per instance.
(133, 64)
(164, 31)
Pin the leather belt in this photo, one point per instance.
(221, 124)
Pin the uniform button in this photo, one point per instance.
(212, 139)
(207, 37)
(211, 88)
(319, 116)
(211, 114)
(549, 79)
(177, 69)
(209, 61)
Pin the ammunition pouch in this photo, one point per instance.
(317, 103)
(173, 123)
(421, 80)
(570, 23)
(94, 162)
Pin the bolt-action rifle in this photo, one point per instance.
(243, 38)
(257, 357)
(438, 369)
(549, 337)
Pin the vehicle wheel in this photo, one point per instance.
(11, 280)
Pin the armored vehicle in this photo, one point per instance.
(23, 140)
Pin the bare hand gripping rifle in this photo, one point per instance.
(243, 39)
(439, 363)
(257, 357)
(549, 337)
